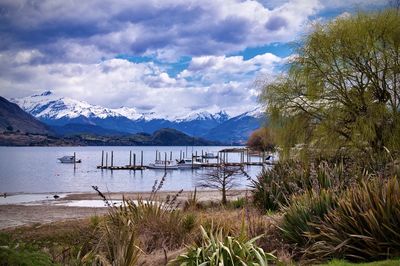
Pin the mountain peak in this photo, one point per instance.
(45, 93)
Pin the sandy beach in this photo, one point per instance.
(42, 212)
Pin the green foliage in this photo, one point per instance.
(364, 226)
(12, 253)
(303, 210)
(189, 222)
(216, 249)
(275, 187)
(342, 90)
(238, 203)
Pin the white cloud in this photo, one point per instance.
(226, 83)
(70, 46)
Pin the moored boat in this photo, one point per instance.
(69, 159)
(210, 155)
(159, 164)
(188, 164)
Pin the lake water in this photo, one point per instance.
(37, 170)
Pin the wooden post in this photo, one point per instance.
(183, 155)
(130, 158)
(218, 158)
(134, 160)
(112, 158)
(102, 158)
(106, 160)
(74, 160)
(165, 162)
(192, 160)
(196, 156)
(141, 159)
(263, 159)
(156, 154)
(180, 155)
(170, 156)
(202, 156)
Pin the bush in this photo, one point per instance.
(239, 203)
(12, 253)
(364, 226)
(216, 249)
(274, 188)
(305, 209)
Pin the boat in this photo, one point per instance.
(188, 164)
(159, 164)
(210, 155)
(69, 159)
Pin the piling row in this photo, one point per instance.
(221, 158)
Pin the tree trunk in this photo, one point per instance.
(223, 195)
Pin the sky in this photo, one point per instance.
(169, 57)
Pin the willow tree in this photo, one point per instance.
(342, 88)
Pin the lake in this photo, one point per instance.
(37, 170)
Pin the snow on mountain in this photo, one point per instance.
(202, 116)
(257, 112)
(49, 106)
(130, 113)
(63, 111)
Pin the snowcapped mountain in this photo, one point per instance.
(63, 112)
(49, 106)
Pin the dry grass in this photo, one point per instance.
(63, 240)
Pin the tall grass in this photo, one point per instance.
(364, 226)
(274, 188)
(305, 209)
(139, 226)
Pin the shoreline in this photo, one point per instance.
(53, 210)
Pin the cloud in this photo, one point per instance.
(209, 82)
(72, 46)
(168, 27)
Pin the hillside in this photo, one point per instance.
(14, 119)
(161, 137)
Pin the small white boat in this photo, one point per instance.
(210, 155)
(159, 164)
(69, 159)
(188, 164)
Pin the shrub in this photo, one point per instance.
(364, 226)
(216, 249)
(12, 253)
(238, 203)
(274, 188)
(305, 209)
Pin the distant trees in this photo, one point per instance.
(261, 140)
(342, 88)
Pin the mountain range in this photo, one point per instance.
(68, 117)
(18, 128)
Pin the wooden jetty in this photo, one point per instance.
(222, 158)
(130, 166)
(125, 167)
